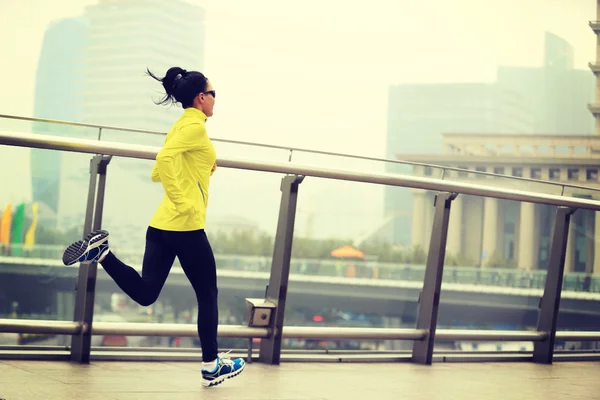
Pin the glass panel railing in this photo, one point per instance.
(337, 161)
(43, 200)
(253, 153)
(48, 128)
(581, 284)
(351, 264)
(503, 178)
(496, 256)
(136, 138)
(223, 148)
(242, 216)
(549, 181)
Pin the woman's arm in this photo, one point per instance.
(155, 174)
(188, 138)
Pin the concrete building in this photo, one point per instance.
(418, 114)
(122, 39)
(57, 96)
(550, 99)
(492, 232)
(595, 67)
(554, 92)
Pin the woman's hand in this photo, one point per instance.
(186, 208)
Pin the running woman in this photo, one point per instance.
(184, 166)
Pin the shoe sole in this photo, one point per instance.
(221, 379)
(75, 251)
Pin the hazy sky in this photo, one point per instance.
(292, 72)
(316, 73)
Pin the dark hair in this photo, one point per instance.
(181, 86)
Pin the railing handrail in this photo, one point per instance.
(309, 151)
(296, 332)
(415, 182)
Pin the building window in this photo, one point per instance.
(462, 173)
(428, 171)
(573, 174)
(518, 172)
(480, 169)
(554, 173)
(499, 170)
(591, 174)
(536, 173)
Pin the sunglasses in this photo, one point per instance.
(211, 92)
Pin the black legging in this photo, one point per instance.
(198, 263)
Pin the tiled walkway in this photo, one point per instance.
(33, 380)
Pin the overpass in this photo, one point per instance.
(496, 298)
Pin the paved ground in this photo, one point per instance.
(32, 380)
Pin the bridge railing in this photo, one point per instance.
(425, 332)
(106, 133)
(465, 275)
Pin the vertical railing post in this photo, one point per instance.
(543, 352)
(86, 280)
(429, 299)
(270, 348)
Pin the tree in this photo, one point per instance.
(458, 260)
(498, 261)
(418, 255)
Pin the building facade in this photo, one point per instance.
(500, 233)
(418, 114)
(549, 99)
(92, 70)
(124, 38)
(57, 96)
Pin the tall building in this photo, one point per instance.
(92, 70)
(490, 232)
(124, 38)
(417, 116)
(57, 96)
(419, 113)
(595, 67)
(543, 100)
(498, 233)
(555, 91)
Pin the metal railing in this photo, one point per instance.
(423, 335)
(288, 332)
(415, 182)
(292, 149)
(465, 275)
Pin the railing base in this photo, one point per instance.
(287, 356)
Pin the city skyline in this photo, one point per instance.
(328, 123)
(550, 99)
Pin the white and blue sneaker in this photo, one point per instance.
(226, 369)
(92, 248)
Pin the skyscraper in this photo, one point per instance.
(556, 92)
(418, 115)
(123, 38)
(548, 99)
(57, 96)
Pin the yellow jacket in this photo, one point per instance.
(184, 165)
